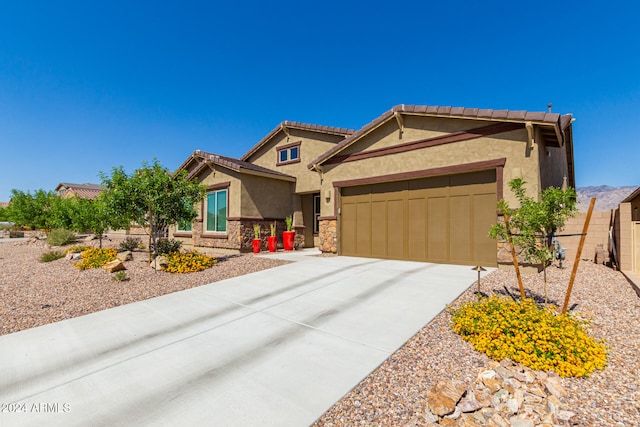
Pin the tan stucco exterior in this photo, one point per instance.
(312, 145)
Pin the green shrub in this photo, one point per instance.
(120, 276)
(166, 246)
(51, 256)
(77, 248)
(60, 237)
(130, 244)
(525, 333)
(96, 257)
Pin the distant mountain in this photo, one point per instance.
(607, 197)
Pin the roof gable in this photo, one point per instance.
(202, 159)
(286, 125)
(554, 124)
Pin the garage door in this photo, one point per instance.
(441, 219)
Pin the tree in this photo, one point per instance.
(534, 223)
(32, 210)
(94, 216)
(152, 197)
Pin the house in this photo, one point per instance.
(88, 191)
(416, 183)
(626, 220)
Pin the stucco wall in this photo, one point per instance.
(265, 198)
(313, 144)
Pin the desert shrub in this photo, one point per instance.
(189, 262)
(525, 333)
(51, 256)
(60, 237)
(130, 243)
(77, 248)
(166, 246)
(120, 276)
(96, 257)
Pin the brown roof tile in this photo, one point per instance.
(234, 164)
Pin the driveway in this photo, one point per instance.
(273, 348)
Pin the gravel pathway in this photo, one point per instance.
(395, 394)
(34, 293)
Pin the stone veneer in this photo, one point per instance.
(328, 235)
(239, 235)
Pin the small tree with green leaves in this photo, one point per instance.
(533, 224)
(152, 197)
(95, 216)
(32, 210)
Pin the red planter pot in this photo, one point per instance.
(256, 246)
(272, 241)
(287, 239)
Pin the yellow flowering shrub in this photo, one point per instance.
(189, 262)
(96, 257)
(525, 333)
(77, 248)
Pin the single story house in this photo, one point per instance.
(417, 183)
(86, 191)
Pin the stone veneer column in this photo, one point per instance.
(328, 236)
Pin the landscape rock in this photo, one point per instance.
(125, 256)
(113, 266)
(159, 262)
(504, 394)
(89, 238)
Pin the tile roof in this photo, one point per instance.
(632, 196)
(297, 125)
(231, 163)
(552, 119)
(86, 190)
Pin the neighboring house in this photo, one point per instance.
(417, 183)
(627, 233)
(87, 191)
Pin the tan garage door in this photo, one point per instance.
(440, 219)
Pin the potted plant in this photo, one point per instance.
(288, 236)
(272, 240)
(257, 242)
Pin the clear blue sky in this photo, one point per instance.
(86, 86)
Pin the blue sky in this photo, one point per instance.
(86, 86)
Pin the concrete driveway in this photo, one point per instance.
(272, 348)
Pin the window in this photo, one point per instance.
(289, 153)
(316, 214)
(216, 217)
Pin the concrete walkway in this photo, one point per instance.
(272, 348)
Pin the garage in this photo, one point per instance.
(442, 219)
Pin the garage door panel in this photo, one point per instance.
(363, 229)
(379, 220)
(395, 229)
(460, 237)
(439, 219)
(484, 209)
(417, 229)
(437, 226)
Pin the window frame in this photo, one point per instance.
(289, 149)
(316, 213)
(205, 209)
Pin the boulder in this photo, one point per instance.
(444, 396)
(113, 266)
(125, 256)
(89, 238)
(159, 262)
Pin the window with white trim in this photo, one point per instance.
(216, 212)
(289, 154)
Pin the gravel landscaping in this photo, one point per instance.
(34, 294)
(395, 394)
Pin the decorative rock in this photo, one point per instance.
(442, 397)
(113, 266)
(125, 256)
(520, 422)
(555, 387)
(89, 238)
(159, 262)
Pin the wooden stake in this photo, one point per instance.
(578, 254)
(515, 257)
